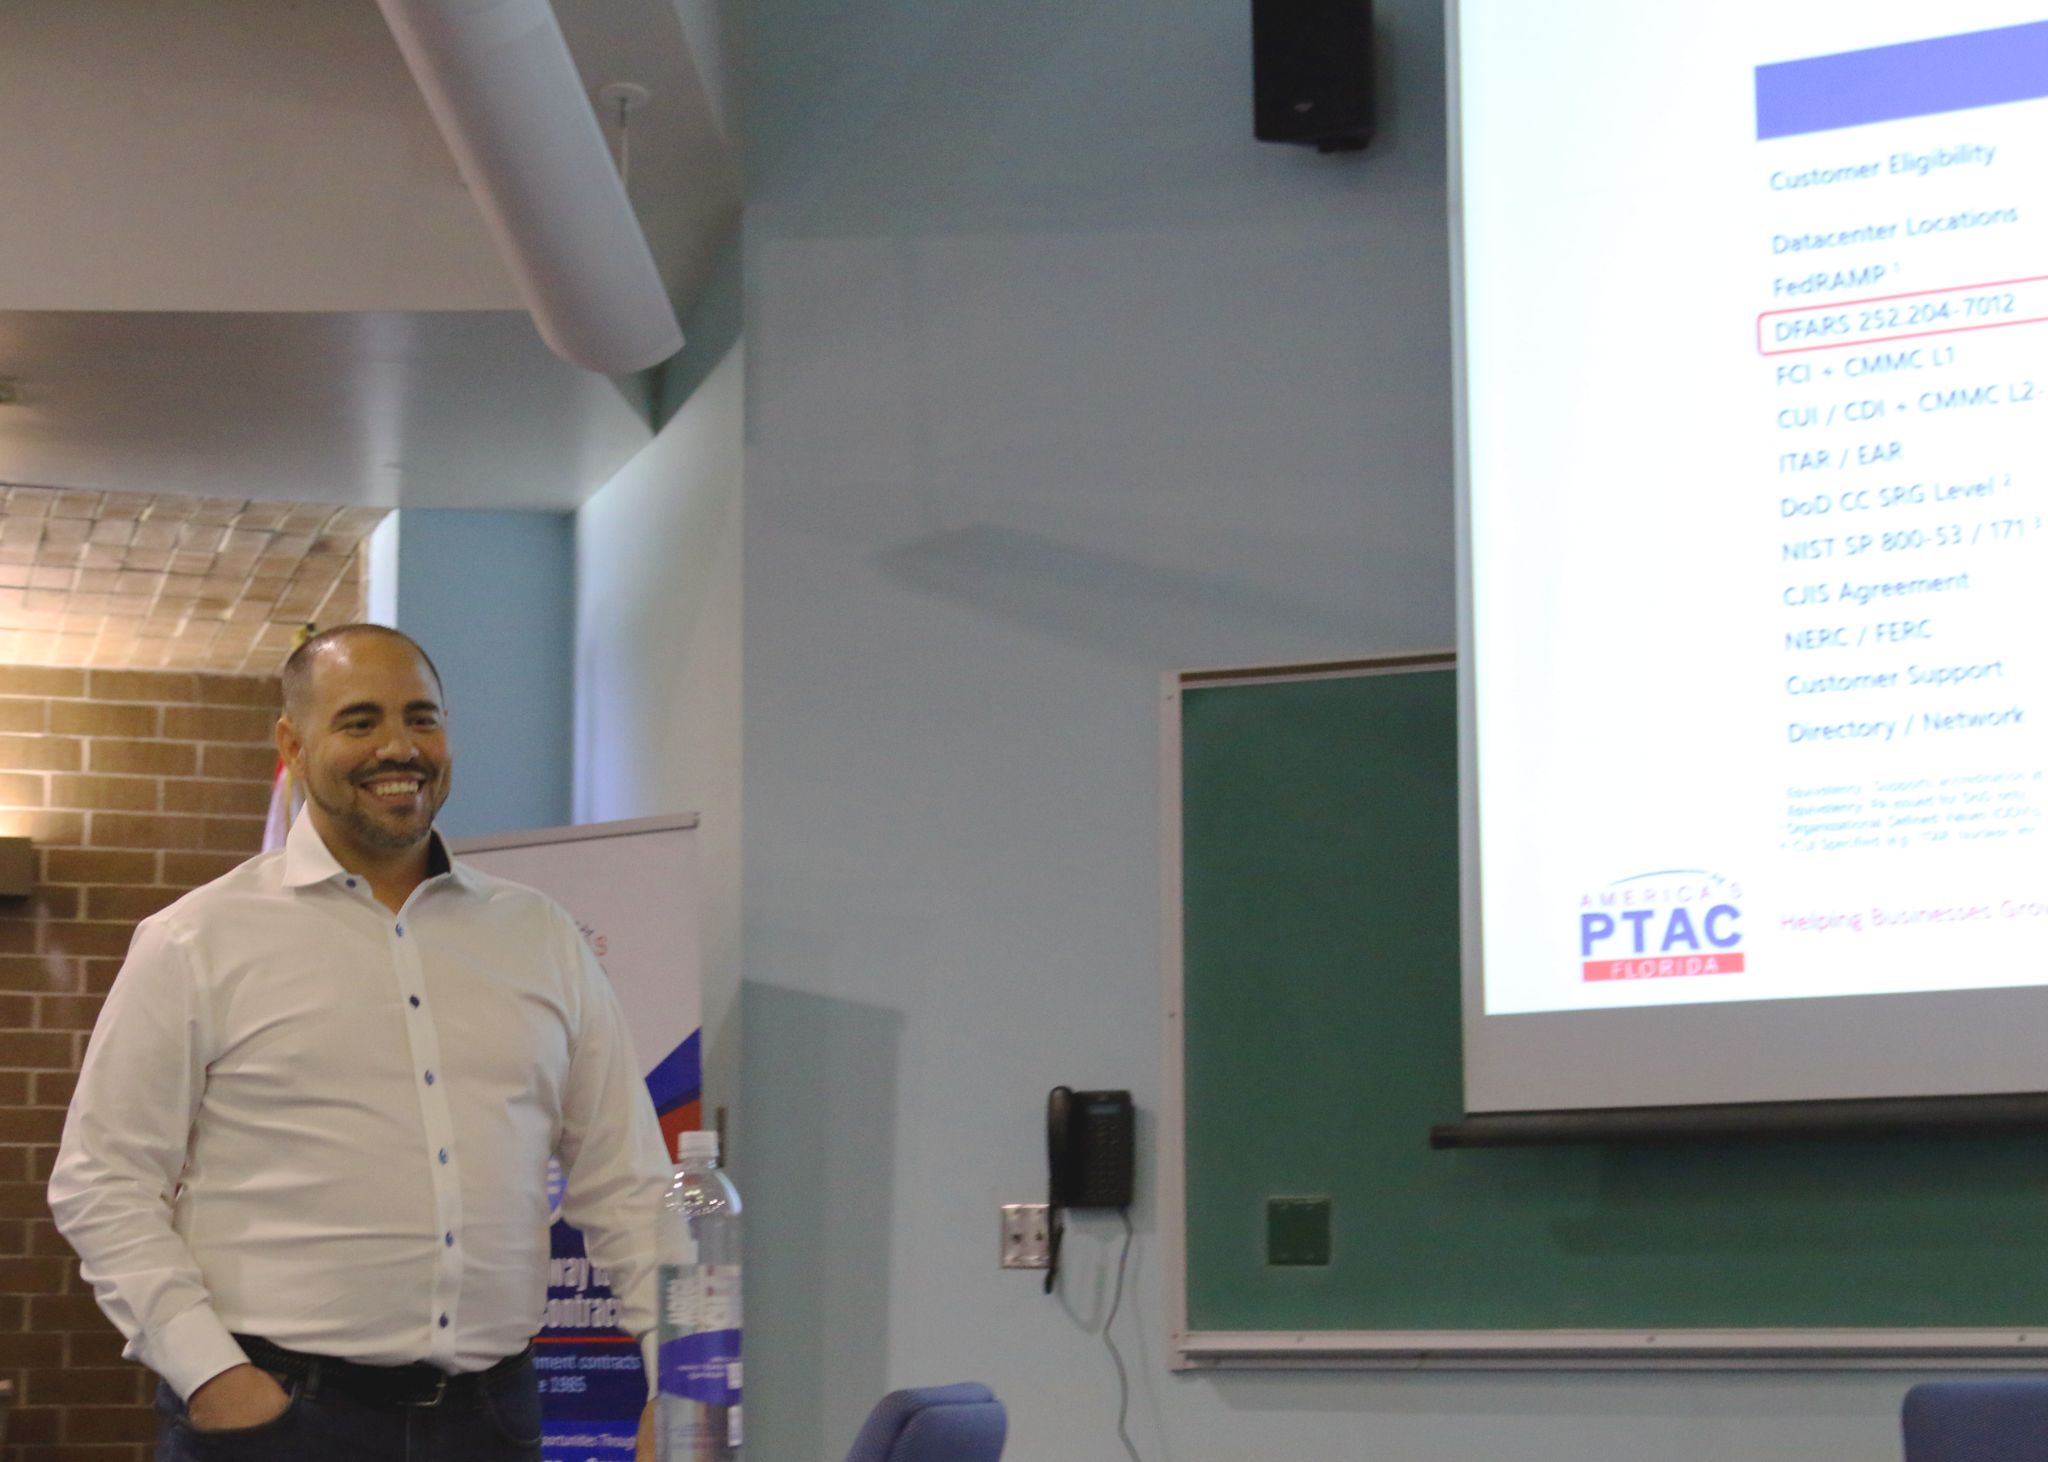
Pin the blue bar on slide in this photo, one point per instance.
(1984, 68)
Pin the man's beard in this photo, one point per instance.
(366, 831)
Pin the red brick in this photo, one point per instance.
(17, 935)
(108, 1424)
(247, 798)
(33, 972)
(238, 762)
(24, 1200)
(31, 1124)
(234, 835)
(21, 789)
(105, 1385)
(189, 870)
(30, 1424)
(14, 1087)
(127, 903)
(241, 690)
(48, 901)
(77, 937)
(24, 713)
(17, 1012)
(122, 794)
(53, 829)
(95, 865)
(98, 718)
(96, 1347)
(99, 974)
(66, 1013)
(142, 685)
(49, 1088)
(40, 754)
(22, 1349)
(142, 830)
(249, 724)
(40, 680)
(35, 1050)
(43, 1240)
(152, 758)
(32, 1276)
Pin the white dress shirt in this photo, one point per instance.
(304, 1117)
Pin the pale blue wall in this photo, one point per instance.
(1058, 381)
(492, 597)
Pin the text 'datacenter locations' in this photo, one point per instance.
(1903, 316)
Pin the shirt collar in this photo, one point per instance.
(307, 859)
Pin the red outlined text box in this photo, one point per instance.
(1914, 315)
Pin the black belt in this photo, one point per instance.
(418, 1384)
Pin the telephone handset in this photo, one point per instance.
(1088, 1147)
(1089, 1151)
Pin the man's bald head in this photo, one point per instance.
(297, 674)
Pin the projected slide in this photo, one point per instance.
(1756, 309)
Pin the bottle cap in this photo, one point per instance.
(697, 1144)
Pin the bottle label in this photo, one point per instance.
(700, 1342)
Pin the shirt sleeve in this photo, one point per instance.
(614, 1163)
(121, 1157)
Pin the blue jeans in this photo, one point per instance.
(499, 1423)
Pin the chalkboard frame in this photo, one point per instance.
(1532, 1349)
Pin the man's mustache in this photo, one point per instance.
(425, 770)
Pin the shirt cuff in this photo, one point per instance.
(191, 1350)
(650, 1357)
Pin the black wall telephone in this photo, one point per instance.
(1088, 1147)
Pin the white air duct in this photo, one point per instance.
(499, 80)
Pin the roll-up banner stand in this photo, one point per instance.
(632, 888)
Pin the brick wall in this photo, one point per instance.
(136, 786)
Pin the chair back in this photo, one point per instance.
(963, 1423)
(1996, 1420)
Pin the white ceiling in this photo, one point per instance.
(239, 263)
(456, 408)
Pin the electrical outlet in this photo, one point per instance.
(1027, 1236)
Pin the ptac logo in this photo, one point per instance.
(1668, 924)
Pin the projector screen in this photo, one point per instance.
(1753, 324)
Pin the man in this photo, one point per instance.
(305, 1166)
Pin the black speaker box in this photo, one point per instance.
(1312, 73)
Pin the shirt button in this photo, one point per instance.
(415, 1001)
(443, 1154)
(444, 1322)
(351, 883)
(430, 1078)
(448, 1239)
(401, 931)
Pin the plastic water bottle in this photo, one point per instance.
(697, 1410)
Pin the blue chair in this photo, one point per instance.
(2003, 1420)
(963, 1423)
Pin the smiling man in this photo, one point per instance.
(305, 1166)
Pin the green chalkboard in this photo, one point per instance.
(1318, 1027)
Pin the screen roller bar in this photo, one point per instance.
(1752, 1121)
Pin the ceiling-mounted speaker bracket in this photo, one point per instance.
(622, 98)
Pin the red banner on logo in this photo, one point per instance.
(1663, 966)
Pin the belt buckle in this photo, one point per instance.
(440, 1390)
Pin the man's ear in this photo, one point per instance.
(289, 746)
